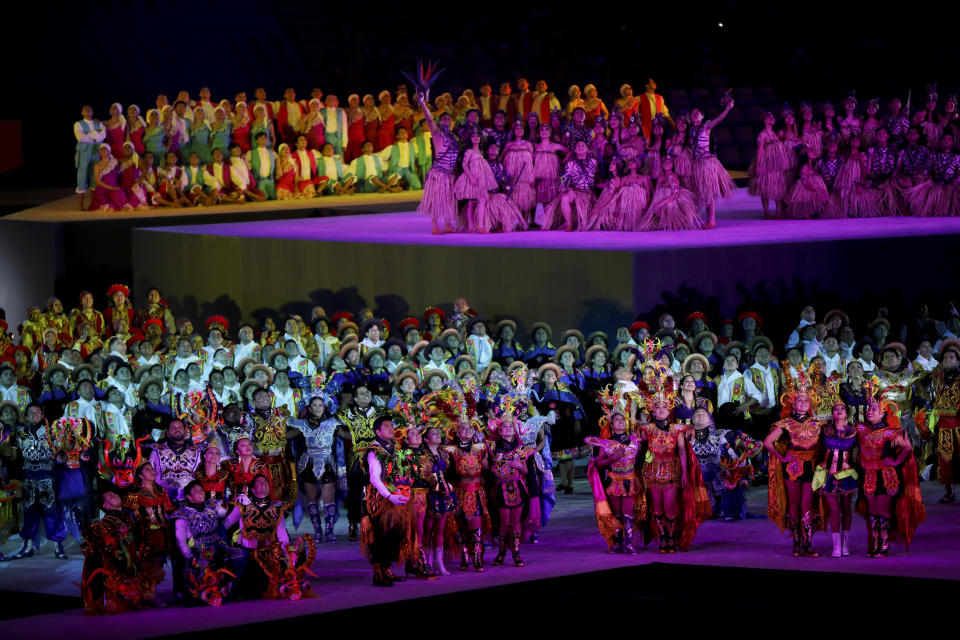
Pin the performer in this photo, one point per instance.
(621, 499)
(942, 390)
(263, 164)
(289, 114)
(386, 526)
(469, 459)
(808, 196)
(673, 478)
(890, 482)
(577, 193)
(546, 166)
(767, 177)
(836, 477)
(203, 551)
(625, 209)
(792, 460)
(269, 438)
(651, 108)
(672, 207)
(474, 185)
(509, 461)
(37, 496)
(438, 199)
(151, 507)
(112, 581)
(323, 463)
(518, 162)
(89, 134)
(710, 180)
(175, 460)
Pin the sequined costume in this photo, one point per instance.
(898, 387)
(270, 445)
(799, 444)
(37, 497)
(175, 466)
(878, 443)
(942, 393)
(838, 464)
(662, 469)
(151, 509)
(112, 581)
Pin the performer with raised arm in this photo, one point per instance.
(711, 182)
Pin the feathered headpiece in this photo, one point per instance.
(612, 403)
(319, 385)
(806, 383)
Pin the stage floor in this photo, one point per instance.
(569, 545)
(65, 209)
(740, 223)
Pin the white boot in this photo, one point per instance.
(844, 537)
(836, 546)
(438, 560)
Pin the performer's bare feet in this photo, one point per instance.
(448, 229)
(437, 232)
(710, 224)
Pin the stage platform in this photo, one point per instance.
(712, 572)
(56, 249)
(585, 280)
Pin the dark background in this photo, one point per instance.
(59, 57)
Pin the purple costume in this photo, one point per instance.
(578, 177)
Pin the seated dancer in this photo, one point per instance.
(401, 159)
(711, 181)
(474, 185)
(309, 183)
(672, 207)
(438, 199)
(618, 493)
(218, 180)
(624, 208)
(261, 526)
(242, 176)
(890, 481)
(196, 532)
(370, 173)
(793, 444)
(330, 167)
(573, 205)
(112, 581)
(808, 196)
(912, 162)
(386, 525)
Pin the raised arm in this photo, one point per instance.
(723, 114)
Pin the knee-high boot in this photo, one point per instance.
(314, 512)
(628, 532)
(502, 552)
(438, 560)
(806, 524)
(517, 560)
(330, 515)
(671, 527)
(478, 550)
(661, 533)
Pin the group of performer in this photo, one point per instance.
(832, 163)
(446, 437)
(486, 163)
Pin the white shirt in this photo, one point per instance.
(284, 399)
(98, 132)
(482, 350)
(768, 398)
(89, 409)
(181, 363)
(239, 173)
(293, 113)
(868, 367)
(120, 426)
(725, 388)
(9, 394)
(330, 118)
(329, 168)
(241, 351)
(794, 338)
(264, 162)
(927, 364)
(295, 364)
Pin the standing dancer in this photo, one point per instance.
(546, 166)
(518, 162)
(890, 482)
(767, 178)
(710, 180)
(438, 199)
(790, 492)
(474, 185)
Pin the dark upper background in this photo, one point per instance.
(57, 58)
